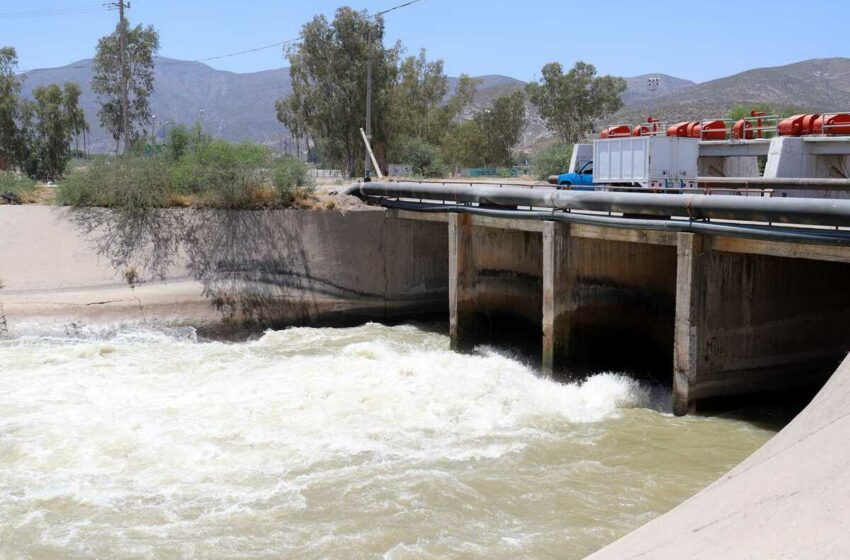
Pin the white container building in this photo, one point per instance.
(646, 161)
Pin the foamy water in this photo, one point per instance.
(371, 442)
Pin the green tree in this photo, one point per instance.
(10, 89)
(179, 140)
(77, 123)
(464, 144)
(489, 138)
(571, 102)
(328, 71)
(552, 160)
(423, 156)
(142, 46)
(418, 106)
(50, 121)
(502, 126)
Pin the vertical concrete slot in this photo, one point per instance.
(495, 286)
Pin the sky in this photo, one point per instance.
(689, 39)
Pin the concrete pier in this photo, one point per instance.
(557, 295)
(748, 322)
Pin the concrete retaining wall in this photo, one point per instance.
(274, 268)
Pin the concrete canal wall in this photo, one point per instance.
(275, 268)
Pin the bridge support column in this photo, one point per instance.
(557, 295)
(690, 319)
(461, 283)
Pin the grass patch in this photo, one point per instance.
(206, 174)
(16, 189)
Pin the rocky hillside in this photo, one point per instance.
(235, 106)
(240, 107)
(817, 85)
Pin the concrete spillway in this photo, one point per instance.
(791, 499)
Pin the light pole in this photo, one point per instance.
(153, 130)
(652, 84)
(367, 164)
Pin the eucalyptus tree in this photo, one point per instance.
(142, 46)
(571, 102)
(10, 89)
(49, 123)
(502, 126)
(328, 71)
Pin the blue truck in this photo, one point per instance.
(582, 177)
(580, 173)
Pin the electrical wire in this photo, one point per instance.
(288, 41)
(56, 12)
(218, 57)
(400, 6)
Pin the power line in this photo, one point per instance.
(400, 6)
(55, 12)
(273, 45)
(255, 49)
(280, 44)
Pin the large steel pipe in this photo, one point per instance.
(813, 211)
(481, 194)
(799, 183)
(749, 231)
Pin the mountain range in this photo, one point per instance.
(240, 107)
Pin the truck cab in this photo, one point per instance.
(583, 177)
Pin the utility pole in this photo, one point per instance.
(125, 72)
(367, 164)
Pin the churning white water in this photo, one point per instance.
(371, 442)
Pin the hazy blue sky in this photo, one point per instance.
(685, 38)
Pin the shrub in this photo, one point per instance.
(553, 160)
(179, 139)
(210, 173)
(123, 182)
(15, 186)
(291, 178)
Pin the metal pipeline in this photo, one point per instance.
(747, 231)
(802, 183)
(810, 211)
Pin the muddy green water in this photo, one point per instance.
(371, 442)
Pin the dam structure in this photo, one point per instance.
(732, 296)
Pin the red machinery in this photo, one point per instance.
(798, 125)
(743, 129)
(649, 128)
(709, 130)
(680, 130)
(616, 131)
(832, 123)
